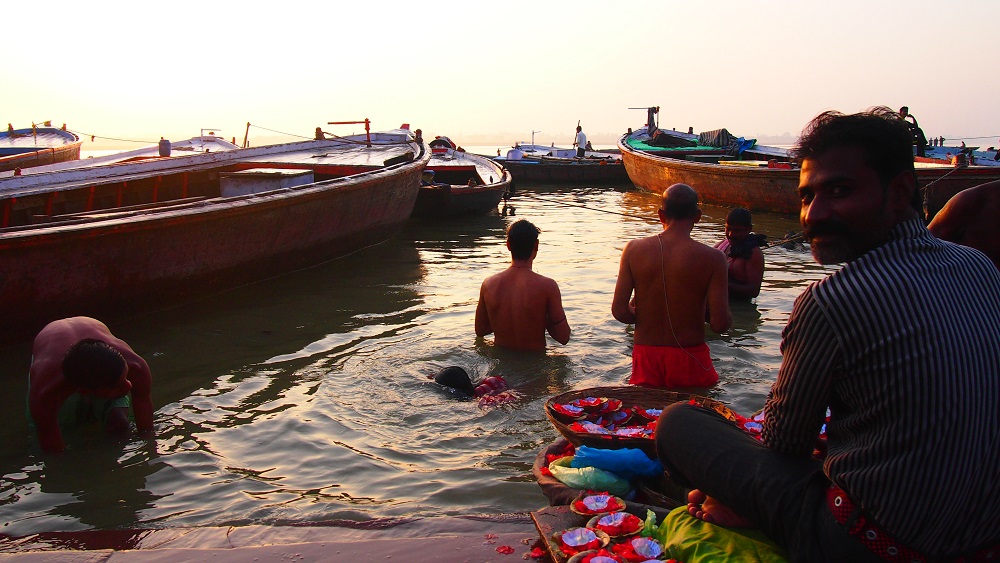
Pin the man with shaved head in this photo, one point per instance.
(677, 282)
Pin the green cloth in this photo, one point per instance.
(688, 539)
(588, 478)
(80, 409)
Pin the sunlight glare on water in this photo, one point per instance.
(306, 397)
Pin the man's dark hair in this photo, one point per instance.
(739, 216)
(93, 364)
(884, 137)
(522, 236)
(681, 203)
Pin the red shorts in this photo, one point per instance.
(672, 366)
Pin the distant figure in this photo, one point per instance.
(518, 305)
(742, 249)
(918, 134)
(80, 372)
(970, 218)
(427, 178)
(581, 142)
(675, 279)
(589, 146)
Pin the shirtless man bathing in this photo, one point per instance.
(675, 280)
(518, 305)
(80, 370)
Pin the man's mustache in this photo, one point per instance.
(825, 228)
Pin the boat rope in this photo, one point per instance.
(92, 137)
(927, 189)
(327, 135)
(790, 238)
(279, 132)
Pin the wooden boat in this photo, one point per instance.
(24, 148)
(539, 164)
(760, 178)
(205, 143)
(459, 183)
(117, 239)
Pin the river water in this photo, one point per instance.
(306, 397)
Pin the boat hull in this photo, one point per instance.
(774, 190)
(116, 267)
(582, 173)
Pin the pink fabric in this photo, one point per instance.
(672, 366)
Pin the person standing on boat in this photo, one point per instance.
(742, 248)
(580, 143)
(919, 140)
(79, 372)
(675, 279)
(970, 218)
(900, 345)
(519, 305)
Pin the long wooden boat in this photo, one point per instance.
(762, 178)
(458, 183)
(205, 143)
(118, 239)
(36, 146)
(539, 164)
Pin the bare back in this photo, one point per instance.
(49, 389)
(970, 219)
(675, 280)
(518, 306)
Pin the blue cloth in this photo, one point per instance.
(626, 462)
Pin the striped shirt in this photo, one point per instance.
(902, 345)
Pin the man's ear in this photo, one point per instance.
(900, 191)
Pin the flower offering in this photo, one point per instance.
(576, 540)
(597, 503)
(617, 524)
(639, 549)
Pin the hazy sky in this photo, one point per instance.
(491, 72)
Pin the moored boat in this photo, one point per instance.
(529, 162)
(202, 144)
(116, 239)
(760, 178)
(36, 146)
(459, 183)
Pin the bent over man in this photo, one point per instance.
(80, 371)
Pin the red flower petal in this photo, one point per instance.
(505, 550)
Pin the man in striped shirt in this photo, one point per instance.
(901, 344)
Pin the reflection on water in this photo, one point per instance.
(307, 398)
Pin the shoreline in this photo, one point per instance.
(453, 538)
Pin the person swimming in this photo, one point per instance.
(458, 379)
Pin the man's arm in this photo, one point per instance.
(755, 276)
(142, 395)
(483, 325)
(719, 316)
(558, 324)
(44, 399)
(621, 309)
(796, 405)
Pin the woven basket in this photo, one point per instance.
(630, 396)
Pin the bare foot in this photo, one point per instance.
(704, 507)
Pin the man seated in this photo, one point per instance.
(900, 344)
(742, 248)
(518, 305)
(79, 372)
(675, 279)
(970, 218)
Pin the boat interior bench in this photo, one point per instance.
(100, 213)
